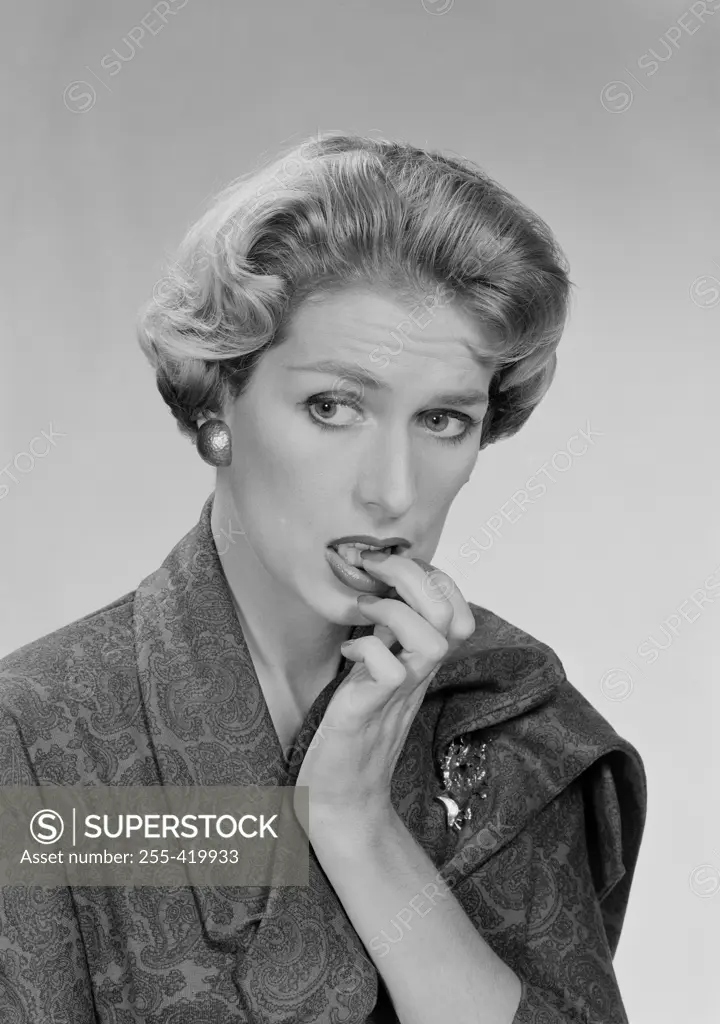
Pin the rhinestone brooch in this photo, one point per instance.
(463, 770)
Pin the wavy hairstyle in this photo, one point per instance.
(342, 210)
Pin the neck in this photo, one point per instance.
(288, 641)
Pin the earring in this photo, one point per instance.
(214, 443)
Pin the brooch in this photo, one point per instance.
(463, 769)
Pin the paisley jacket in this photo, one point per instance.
(158, 688)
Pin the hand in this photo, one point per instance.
(368, 719)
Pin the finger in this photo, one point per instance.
(417, 635)
(431, 592)
(441, 586)
(385, 634)
(379, 664)
(377, 677)
(410, 580)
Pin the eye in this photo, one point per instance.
(439, 415)
(327, 404)
(467, 423)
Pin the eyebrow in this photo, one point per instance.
(354, 372)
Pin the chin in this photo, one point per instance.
(347, 613)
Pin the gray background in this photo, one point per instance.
(106, 164)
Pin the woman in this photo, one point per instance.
(340, 335)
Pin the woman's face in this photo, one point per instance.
(322, 453)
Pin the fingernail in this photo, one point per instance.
(374, 556)
(346, 643)
(367, 599)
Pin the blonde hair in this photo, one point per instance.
(342, 210)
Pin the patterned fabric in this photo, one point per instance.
(158, 688)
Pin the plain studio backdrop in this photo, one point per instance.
(122, 120)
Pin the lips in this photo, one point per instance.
(352, 575)
(376, 542)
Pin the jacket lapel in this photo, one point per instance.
(210, 725)
(204, 707)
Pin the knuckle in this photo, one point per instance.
(438, 586)
(440, 616)
(464, 630)
(440, 648)
(399, 674)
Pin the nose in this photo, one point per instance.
(386, 478)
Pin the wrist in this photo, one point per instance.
(350, 829)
